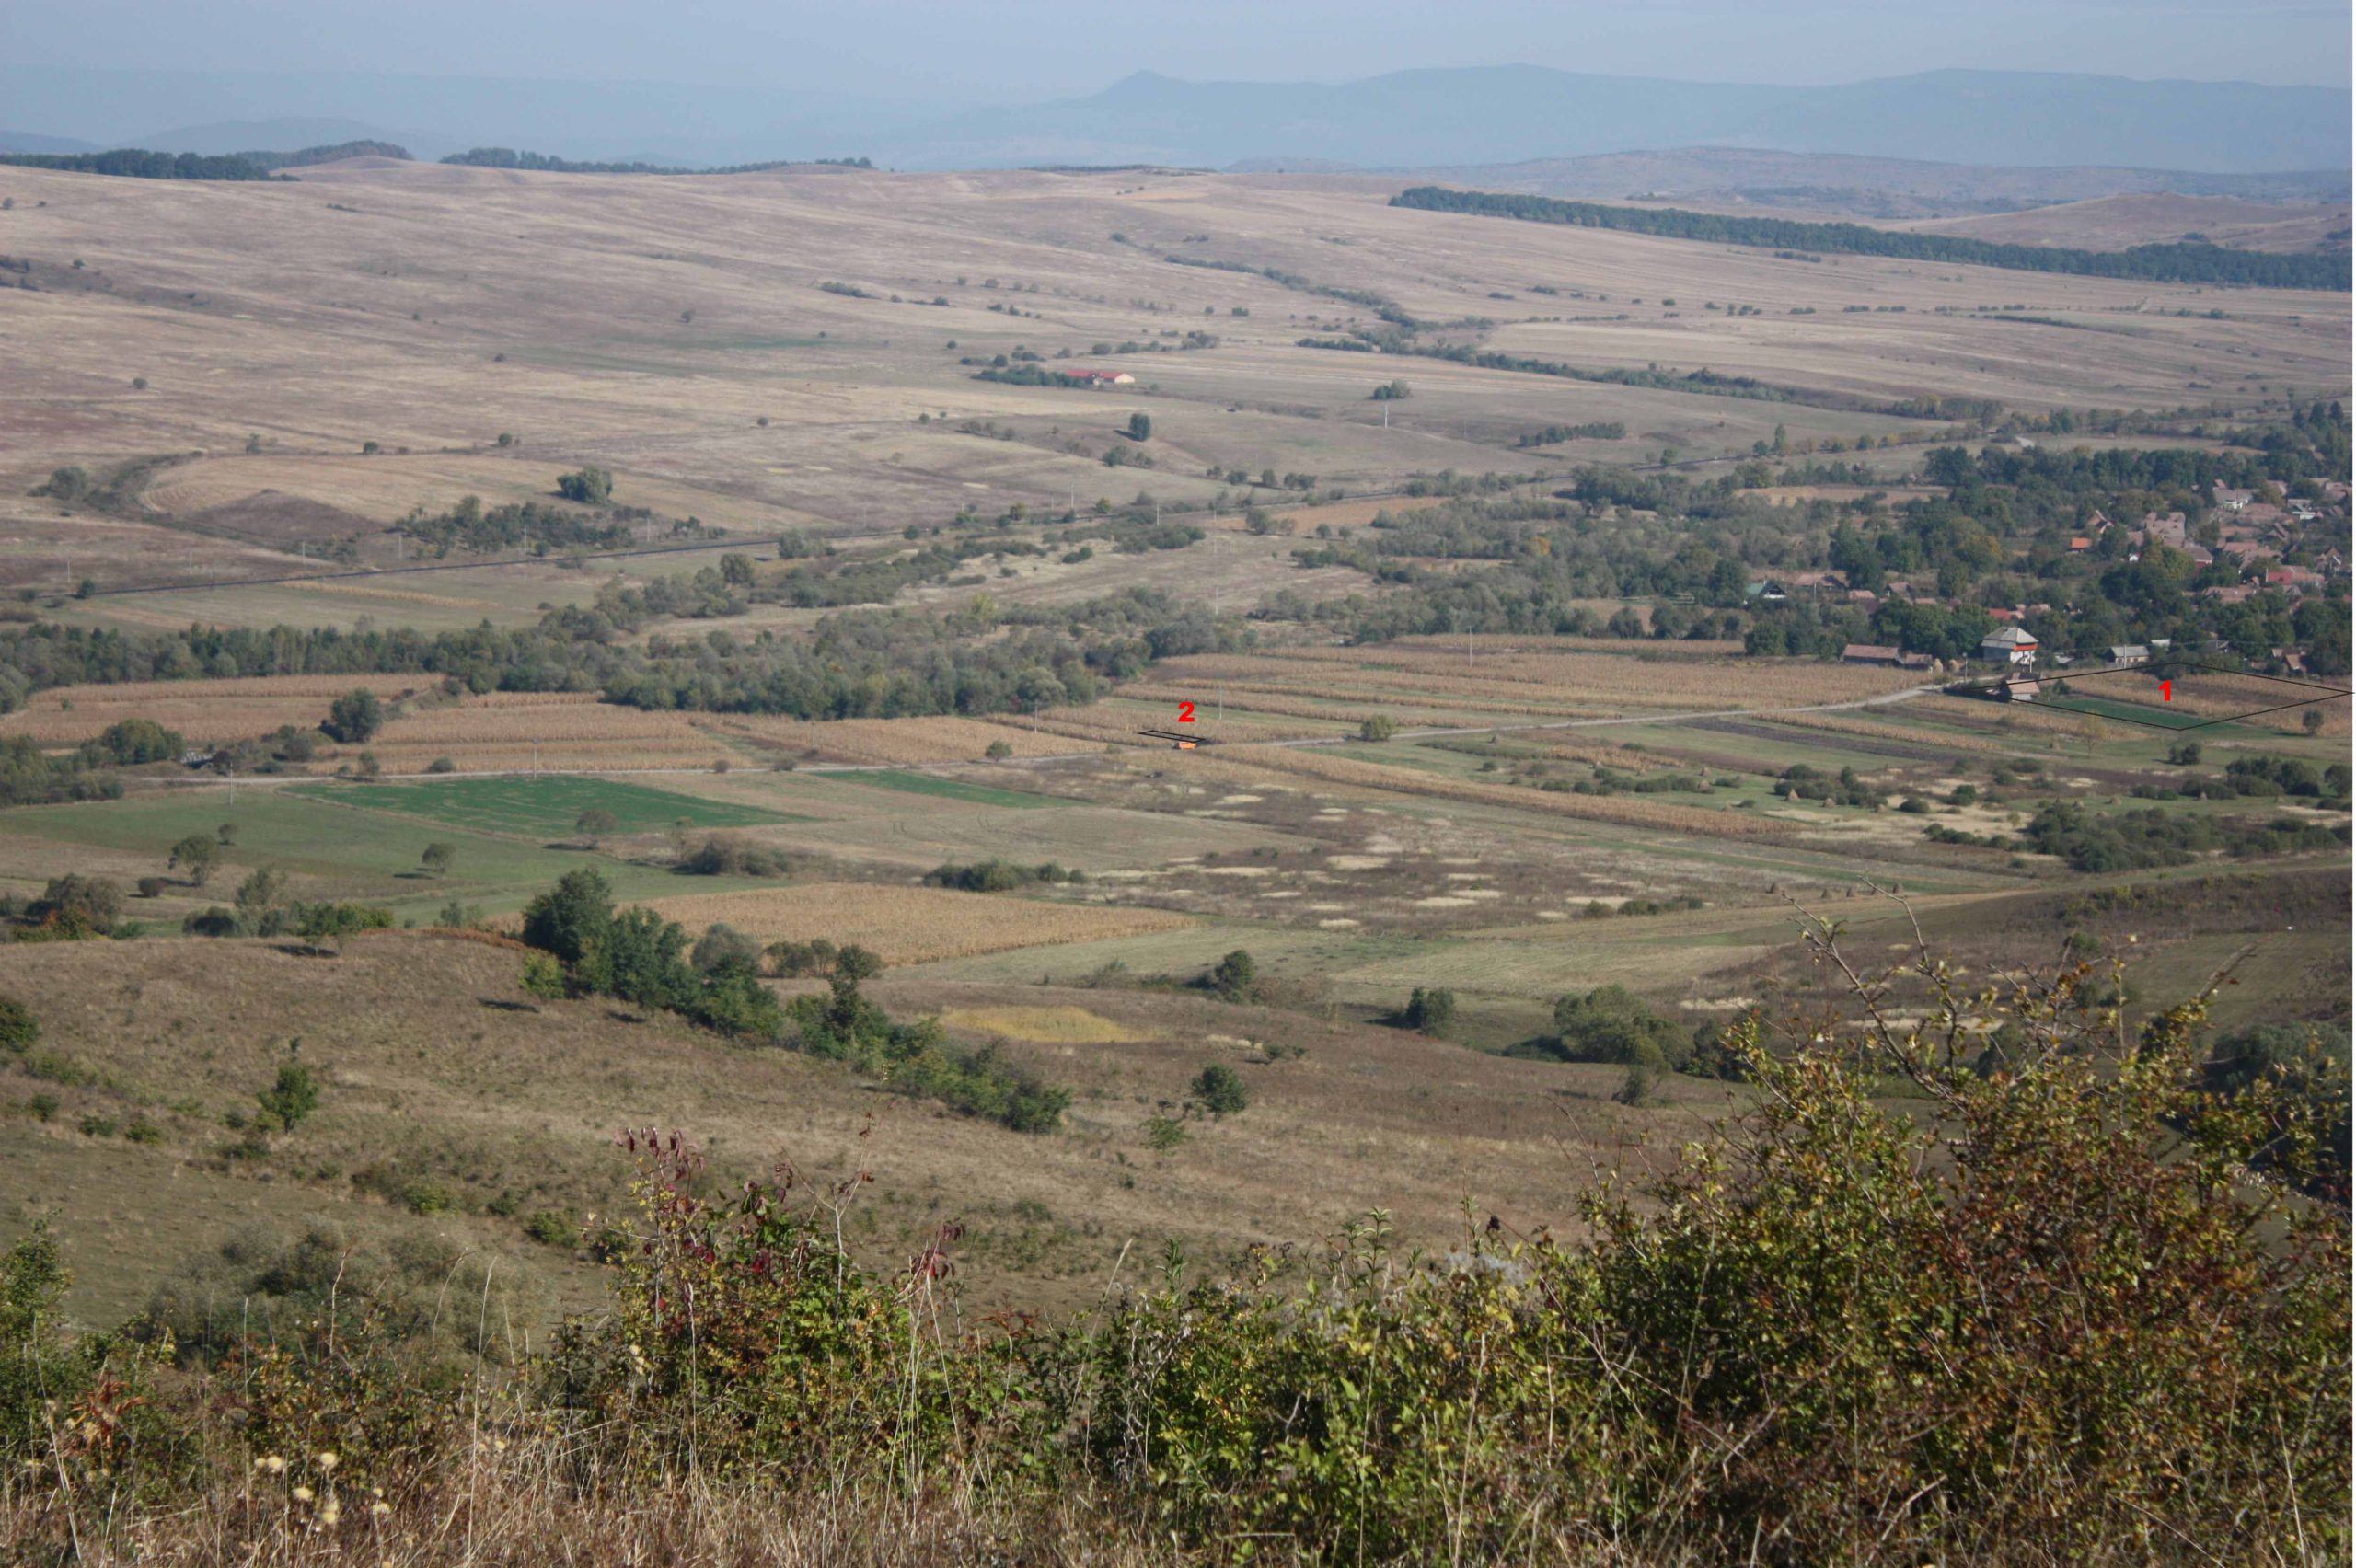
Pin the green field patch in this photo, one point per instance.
(949, 789)
(543, 807)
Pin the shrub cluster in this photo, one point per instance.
(1001, 876)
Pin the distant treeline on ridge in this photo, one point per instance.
(508, 158)
(2173, 263)
(137, 163)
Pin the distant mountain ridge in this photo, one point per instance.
(1452, 117)
(1500, 114)
(1845, 183)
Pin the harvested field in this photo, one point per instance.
(1841, 724)
(207, 711)
(566, 730)
(914, 741)
(911, 925)
(1523, 680)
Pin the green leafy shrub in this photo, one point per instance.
(1219, 1090)
(290, 1098)
(19, 1031)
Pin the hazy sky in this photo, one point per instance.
(999, 49)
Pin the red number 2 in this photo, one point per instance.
(1185, 713)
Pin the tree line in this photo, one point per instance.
(137, 163)
(508, 158)
(2178, 262)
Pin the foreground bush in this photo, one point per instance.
(2070, 1308)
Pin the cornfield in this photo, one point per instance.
(911, 925)
(205, 711)
(571, 730)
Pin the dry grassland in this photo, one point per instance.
(205, 711)
(911, 925)
(1628, 812)
(428, 308)
(430, 1065)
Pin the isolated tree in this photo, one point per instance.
(293, 1097)
(326, 926)
(1236, 978)
(1141, 426)
(854, 963)
(197, 855)
(1380, 727)
(262, 901)
(1218, 1088)
(354, 716)
(69, 484)
(226, 833)
(590, 487)
(1430, 1012)
(437, 857)
(570, 917)
(19, 1030)
(595, 822)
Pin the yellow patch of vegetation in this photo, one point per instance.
(1058, 1026)
(911, 925)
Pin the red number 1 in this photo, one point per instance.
(1185, 713)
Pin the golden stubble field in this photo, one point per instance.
(911, 925)
(652, 326)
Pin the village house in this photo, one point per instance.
(1102, 377)
(2130, 653)
(2020, 689)
(2008, 645)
